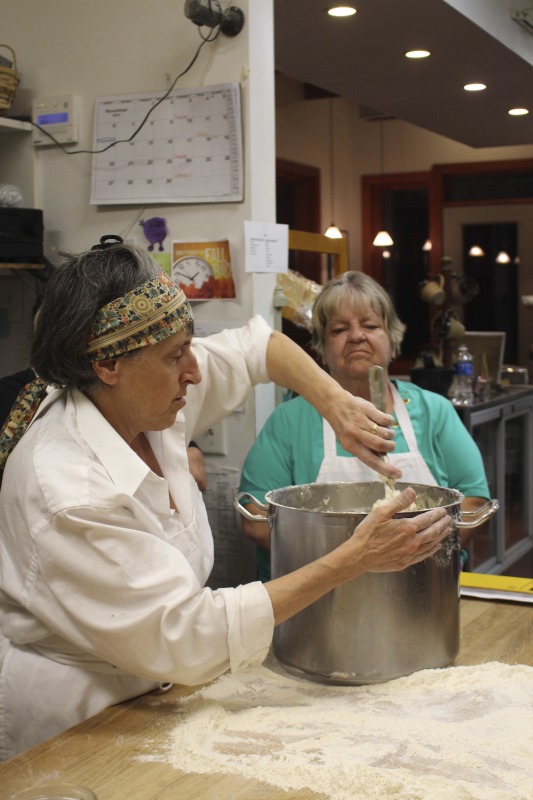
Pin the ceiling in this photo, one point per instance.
(362, 58)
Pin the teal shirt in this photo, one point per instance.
(290, 448)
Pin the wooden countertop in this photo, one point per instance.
(100, 752)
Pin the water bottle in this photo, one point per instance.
(462, 390)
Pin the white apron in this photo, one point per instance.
(414, 469)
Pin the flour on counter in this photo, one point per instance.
(461, 733)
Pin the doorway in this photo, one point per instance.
(298, 206)
(458, 223)
(495, 307)
(460, 194)
(400, 204)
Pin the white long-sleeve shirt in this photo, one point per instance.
(101, 594)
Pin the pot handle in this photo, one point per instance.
(242, 509)
(486, 511)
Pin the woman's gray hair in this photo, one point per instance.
(356, 289)
(75, 292)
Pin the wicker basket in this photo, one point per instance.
(9, 79)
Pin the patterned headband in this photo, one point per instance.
(144, 316)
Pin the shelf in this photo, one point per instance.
(21, 266)
(18, 165)
(8, 125)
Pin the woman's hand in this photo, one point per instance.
(197, 466)
(363, 430)
(358, 425)
(385, 544)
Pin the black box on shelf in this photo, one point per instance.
(21, 235)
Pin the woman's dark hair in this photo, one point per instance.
(75, 292)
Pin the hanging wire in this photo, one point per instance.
(381, 151)
(333, 232)
(331, 160)
(382, 238)
(210, 38)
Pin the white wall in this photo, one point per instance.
(107, 47)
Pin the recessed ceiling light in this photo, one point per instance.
(341, 11)
(417, 54)
(518, 112)
(474, 87)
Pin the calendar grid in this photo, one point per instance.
(188, 151)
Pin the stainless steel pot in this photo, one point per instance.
(381, 625)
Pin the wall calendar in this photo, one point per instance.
(188, 151)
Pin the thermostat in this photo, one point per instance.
(59, 117)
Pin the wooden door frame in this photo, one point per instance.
(437, 201)
(304, 181)
(372, 187)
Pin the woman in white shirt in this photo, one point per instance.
(105, 545)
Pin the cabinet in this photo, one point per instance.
(502, 427)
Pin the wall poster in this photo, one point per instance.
(203, 269)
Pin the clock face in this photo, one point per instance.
(191, 270)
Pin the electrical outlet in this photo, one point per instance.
(214, 440)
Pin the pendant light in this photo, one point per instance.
(382, 238)
(333, 232)
(505, 247)
(503, 257)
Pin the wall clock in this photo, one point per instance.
(192, 270)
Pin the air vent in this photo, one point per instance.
(371, 115)
(524, 17)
